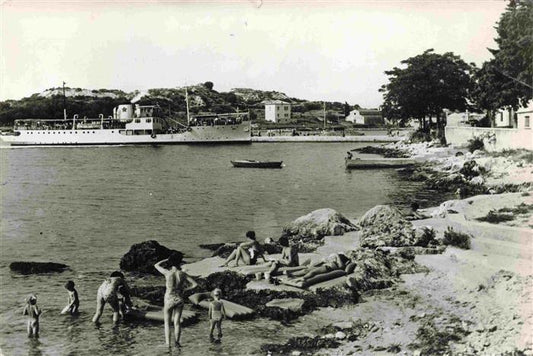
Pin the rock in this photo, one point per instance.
(319, 223)
(339, 335)
(292, 304)
(477, 180)
(329, 336)
(225, 250)
(380, 214)
(37, 267)
(343, 325)
(296, 353)
(142, 256)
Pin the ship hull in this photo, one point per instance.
(220, 134)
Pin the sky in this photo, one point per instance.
(314, 50)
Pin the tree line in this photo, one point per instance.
(429, 83)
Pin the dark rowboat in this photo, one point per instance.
(250, 163)
(366, 163)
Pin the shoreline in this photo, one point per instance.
(319, 139)
(456, 305)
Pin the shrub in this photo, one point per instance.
(457, 239)
(475, 143)
(420, 136)
(496, 217)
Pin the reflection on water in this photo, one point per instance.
(85, 207)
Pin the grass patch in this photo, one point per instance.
(431, 341)
(475, 143)
(514, 155)
(457, 239)
(506, 214)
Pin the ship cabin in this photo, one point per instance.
(141, 120)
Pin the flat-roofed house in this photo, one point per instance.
(369, 117)
(524, 117)
(277, 111)
(504, 118)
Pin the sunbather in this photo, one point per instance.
(336, 261)
(289, 257)
(247, 252)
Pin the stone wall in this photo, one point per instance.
(495, 139)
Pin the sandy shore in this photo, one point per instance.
(476, 301)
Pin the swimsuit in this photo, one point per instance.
(216, 310)
(173, 300)
(173, 296)
(253, 256)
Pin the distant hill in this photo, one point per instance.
(202, 98)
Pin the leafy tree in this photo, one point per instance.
(507, 79)
(209, 85)
(347, 109)
(428, 84)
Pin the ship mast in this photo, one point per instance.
(324, 115)
(187, 104)
(64, 103)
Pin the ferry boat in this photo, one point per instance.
(130, 124)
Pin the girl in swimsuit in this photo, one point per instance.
(247, 252)
(216, 314)
(173, 304)
(32, 311)
(109, 293)
(289, 256)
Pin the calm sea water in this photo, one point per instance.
(85, 207)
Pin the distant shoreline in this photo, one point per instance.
(376, 138)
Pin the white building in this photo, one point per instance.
(524, 116)
(504, 118)
(278, 111)
(368, 117)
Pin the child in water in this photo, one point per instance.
(32, 311)
(216, 314)
(73, 301)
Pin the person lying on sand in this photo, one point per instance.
(289, 257)
(246, 252)
(336, 261)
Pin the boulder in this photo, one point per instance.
(37, 267)
(319, 223)
(292, 304)
(380, 214)
(478, 180)
(372, 271)
(142, 256)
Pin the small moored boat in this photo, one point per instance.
(250, 163)
(366, 163)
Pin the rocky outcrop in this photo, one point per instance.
(380, 214)
(317, 224)
(305, 343)
(373, 270)
(384, 225)
(37, 267)
(142, 256)
(292, 304)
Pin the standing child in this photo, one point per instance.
(32, 311)
(216, 314)
(73, 301)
